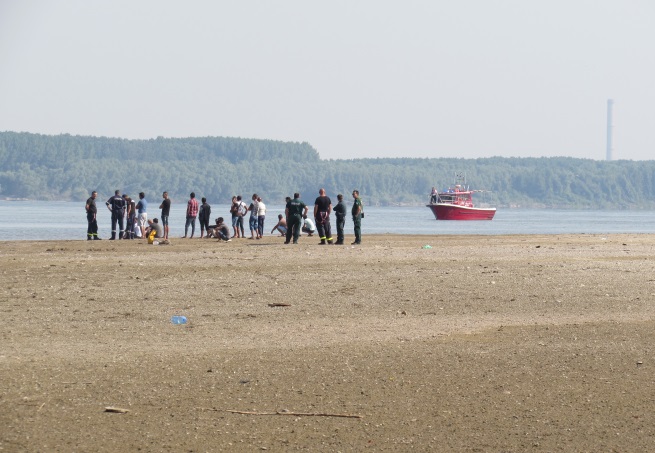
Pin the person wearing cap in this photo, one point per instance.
(357, 217)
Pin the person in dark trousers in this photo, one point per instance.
(242, 209)
(254, 216)
(129, 218)
(220, 231)
(191, 214)
(357, 217)
(204, 214)
(261, 216)
(91, 217)
(340, 211)
(286, 216)
(295, 210)
(322, 211)
(116, 205)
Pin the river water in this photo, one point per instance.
(46, 220)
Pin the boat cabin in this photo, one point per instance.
(456, 197)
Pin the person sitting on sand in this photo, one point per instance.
(220, 231)
(153, 225)
(281, 225)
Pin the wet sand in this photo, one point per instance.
(493, 343)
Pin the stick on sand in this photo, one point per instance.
(299, 414)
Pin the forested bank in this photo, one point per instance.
(68, 167)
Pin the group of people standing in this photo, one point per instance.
(239, 209)
(131, 218)
(296, 216)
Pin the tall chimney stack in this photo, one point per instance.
(610, 126)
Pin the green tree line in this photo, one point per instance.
(65, 167)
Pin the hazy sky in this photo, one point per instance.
(355, 78)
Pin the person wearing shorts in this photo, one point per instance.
(234, 208)
(165, 207)
(280, 226)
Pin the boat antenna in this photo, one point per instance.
(460, 178)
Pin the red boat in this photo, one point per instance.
(456, 203)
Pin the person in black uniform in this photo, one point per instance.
(116, 205)
(91, 214)
(358, 213)
(340, 211)
(204, 214)
(295, 211)
(322, 211)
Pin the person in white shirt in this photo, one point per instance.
(242, 209)
(261, 215)
(308, 226)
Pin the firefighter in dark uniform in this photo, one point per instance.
(295, 211)
(91, 217)
(322, 211)
(116, 205)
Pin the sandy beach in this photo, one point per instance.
(479, 343)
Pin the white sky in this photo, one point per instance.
(355, 78)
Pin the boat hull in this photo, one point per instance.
(454, 212)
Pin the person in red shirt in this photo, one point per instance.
(191, 214)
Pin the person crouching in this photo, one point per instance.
(220, 231)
